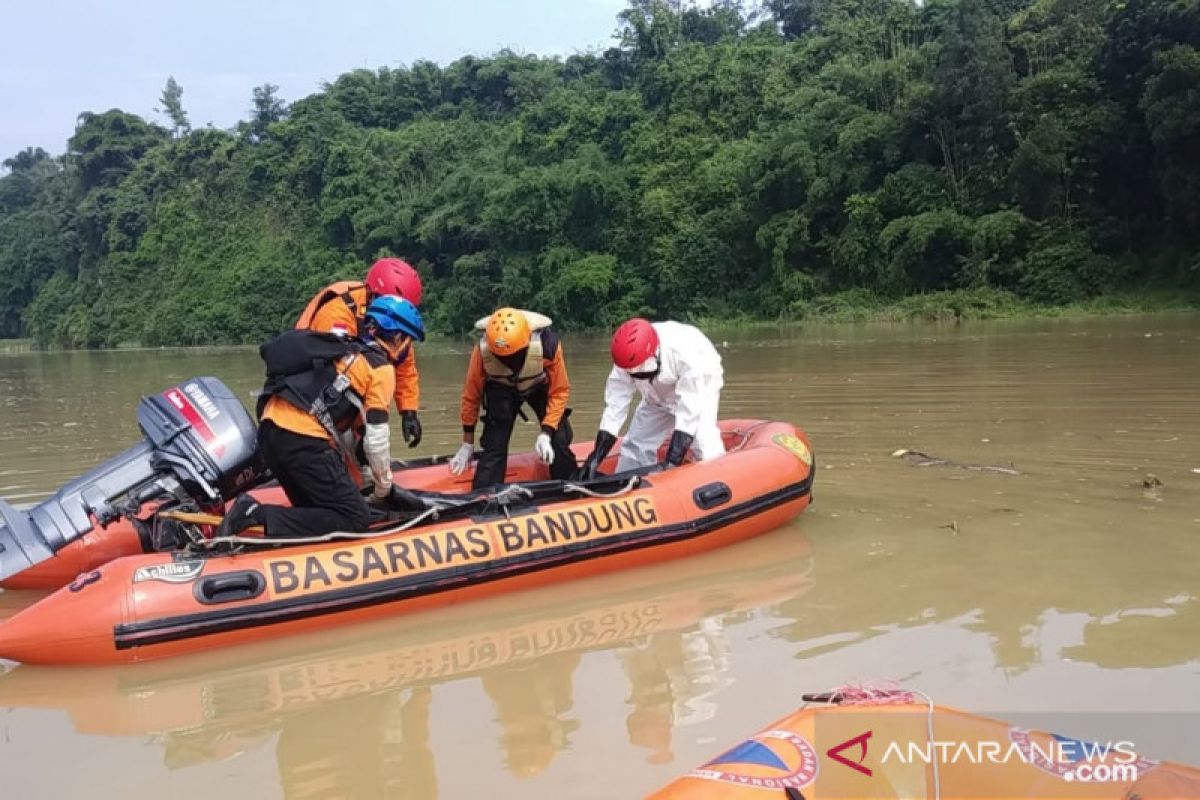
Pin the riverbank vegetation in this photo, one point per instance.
(803, 157)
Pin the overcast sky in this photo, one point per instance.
(62, 57)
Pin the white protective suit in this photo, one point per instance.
(684, 396)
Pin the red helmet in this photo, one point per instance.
(393, 276)
(633, 343)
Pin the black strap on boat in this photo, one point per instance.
(823, 697)
(485, 504)
(501, 501)
(792, 793)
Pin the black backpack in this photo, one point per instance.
(302, 369)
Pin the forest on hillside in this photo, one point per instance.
(733, 161)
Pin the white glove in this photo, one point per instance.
(458, 464)
(543, 449)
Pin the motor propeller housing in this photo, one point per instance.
(199, 445)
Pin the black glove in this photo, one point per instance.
(680, 442)
(398, 499)
(411, 426)
(604, 443)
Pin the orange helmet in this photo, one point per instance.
(507, 332)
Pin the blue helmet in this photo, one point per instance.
(396, 316)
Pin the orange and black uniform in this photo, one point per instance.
(302, 456)
(339, 308)
(545, 390)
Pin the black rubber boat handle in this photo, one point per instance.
(711, 495)
(230, 586)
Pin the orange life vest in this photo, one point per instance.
(352, 293)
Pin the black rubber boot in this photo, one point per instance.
(239, 517)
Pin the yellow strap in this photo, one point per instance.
(198, 518)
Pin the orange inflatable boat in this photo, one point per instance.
(252, 690)
(897, 745)
(149, 606)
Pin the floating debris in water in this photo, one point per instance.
(1152, 487)
(918, 459)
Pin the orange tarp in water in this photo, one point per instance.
(920, 750)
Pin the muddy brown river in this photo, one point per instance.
(1069, 588)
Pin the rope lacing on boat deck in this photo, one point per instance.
(259, 541)
(503, 497)
(575, 488)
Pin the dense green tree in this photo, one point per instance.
(794, 17)
(106, 147)
(1171, 105)
(37, 236)
(28, 169)
(268, 107)
(964, 109)
(724, 159)
(26, 160)
(172, 107)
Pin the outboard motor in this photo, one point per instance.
(199, 447)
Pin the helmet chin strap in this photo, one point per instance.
(515, 361)
(391, 350)
(648, 370)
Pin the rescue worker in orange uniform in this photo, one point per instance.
(518, 360)
(319, 387)
(339, 308)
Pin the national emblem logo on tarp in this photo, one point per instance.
(771, 760)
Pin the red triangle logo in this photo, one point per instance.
(835, 753)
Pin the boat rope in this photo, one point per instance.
(513, 491)
(937, 777)
(507, 494)
(745, 434)
(576, 488)
(259, 541)
(503, 497)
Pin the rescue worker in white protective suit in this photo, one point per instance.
(677, 372)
